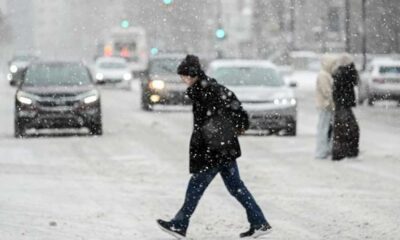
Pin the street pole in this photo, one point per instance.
(292, 24)
(219, 24)
(364, 34)
(347, 25)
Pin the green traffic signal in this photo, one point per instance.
(168, 2)
(154, 51)
(220, 33)
(124, 23)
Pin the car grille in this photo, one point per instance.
(58, 103)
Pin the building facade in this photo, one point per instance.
(315, 25)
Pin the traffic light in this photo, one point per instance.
(220, 33)
(168, 2)
(154, 51)
(125, 23)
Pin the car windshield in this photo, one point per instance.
(24, 58)
(164, 66)
(113, 65)
(57, 74)
(248, 76)
(389, 69)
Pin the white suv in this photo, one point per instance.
(381, 81)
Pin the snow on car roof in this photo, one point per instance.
(385, 61)
(241, 63)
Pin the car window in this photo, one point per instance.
(163, 66)
(57, 74)
(389, 69)
(24, 58)
(113, 65)
(248, 76)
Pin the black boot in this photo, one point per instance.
(255, 232)
(169, 228)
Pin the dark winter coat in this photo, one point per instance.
(346, 132)
(211, 99)
(345, 78)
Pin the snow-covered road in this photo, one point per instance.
(115, 186)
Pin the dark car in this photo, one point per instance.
(16, 66)
(57, 95)
(163, 85)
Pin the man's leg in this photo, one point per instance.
(230, 176)
(197, 185)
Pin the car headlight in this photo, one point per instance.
(127, 76)
(285, 101)
(90, 97)
(99, 76)
(13, 68)
(157, 84)
(9, 77)
(25, 98)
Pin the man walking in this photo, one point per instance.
(214, 147)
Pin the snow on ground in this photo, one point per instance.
(115, 186)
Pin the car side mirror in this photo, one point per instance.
(292, 84)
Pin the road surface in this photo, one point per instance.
(67, 186)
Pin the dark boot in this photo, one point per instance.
(255, 232)
(171, 229)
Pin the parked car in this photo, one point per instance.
(163, 85)
(57, 95)
(271, 103)
(113, 70)
(381, 81)
(16, 66)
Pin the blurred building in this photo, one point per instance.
(20, 17)
(258, 28)
(383, 26)
(252, 28)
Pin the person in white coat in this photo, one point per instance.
(325, 106)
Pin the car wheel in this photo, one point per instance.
(96, 128)
(371, 101)
(146, 105)
(19, 128)
(291, 130)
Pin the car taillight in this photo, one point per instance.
(378, 80)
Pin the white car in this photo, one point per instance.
(271, 104)
(381, 81)
(113, 70)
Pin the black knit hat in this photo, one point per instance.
(190, 66)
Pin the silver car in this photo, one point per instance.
(258, 85)
(381, 81)
(113, 70)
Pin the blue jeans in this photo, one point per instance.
(324, 134)
(200, 181)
